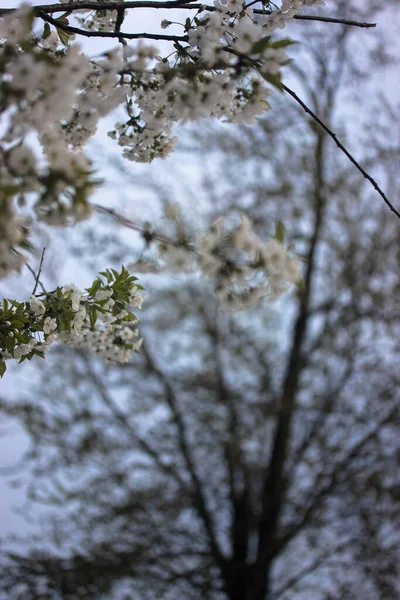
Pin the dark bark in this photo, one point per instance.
(247, 582)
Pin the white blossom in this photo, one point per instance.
(37, 306)
(103, 294)
(49, 325)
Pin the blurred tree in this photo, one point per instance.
(231, 461)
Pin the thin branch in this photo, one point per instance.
(338, 473)
(111, 34)
(71, 6)
(28, 266)
(332, 20)
(327, 555)
(121, 418)
(199, 497)
(342, 148)
(39, 271)
(235, 463)
(146, 234)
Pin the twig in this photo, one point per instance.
(332, 20)
(71, 6)
(39, 271)
(28, 266)
(111, 34)
(147, 235)
(325, 556)
(342, 148)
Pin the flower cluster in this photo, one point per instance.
(201, 79)
(98, 319)
(221, 67)
(245, 268)
(58, 95)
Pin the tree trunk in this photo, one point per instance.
(245, 582)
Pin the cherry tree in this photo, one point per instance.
(239, 456)
(225, 62)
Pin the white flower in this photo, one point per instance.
(22, 350)
(37, 306)
(109, 304)
(79, 319)
(103, 294)
(76, 295)
(126, 334)
(50, 339)
(49, 325)
(136, 298)
(51, 42)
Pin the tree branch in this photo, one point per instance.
(274, 485)
(328, 554)
(147, 235)
(37, 280)
(199, 498)
(342, 148)
(28, 266)
(334, 478)
(332, 20)
(122, 420)
(110, 34)
(238, 490)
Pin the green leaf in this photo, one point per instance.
(274, 80)
(260, 45)
(46, 31)
(96, 285)
(280, 232)
(282, 43)
(3, 367)
(64, 36)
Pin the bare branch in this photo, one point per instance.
(28, 266)
(111, 34)
(199, 498)
(274, 485)
(342, 148)
(122, 420)
(147, 235)
(338, 473)
(325, 556)
(235, 462)
(332, 20)
(39, 271)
